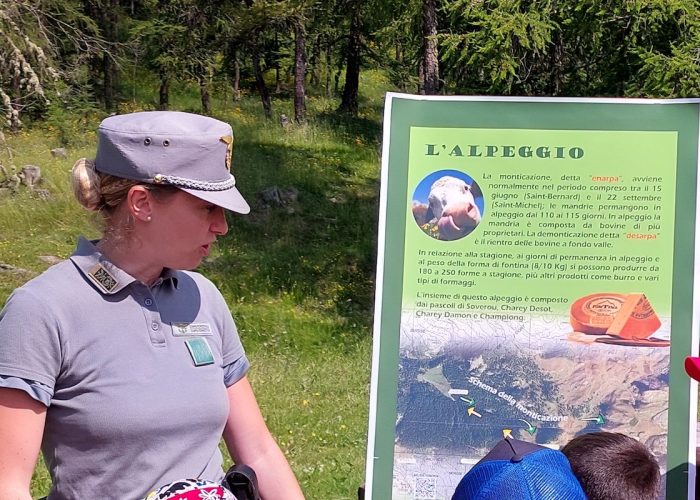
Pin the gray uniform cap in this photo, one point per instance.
(188, 151)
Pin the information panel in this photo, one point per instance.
(535, 280)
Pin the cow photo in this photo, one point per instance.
(447, 205)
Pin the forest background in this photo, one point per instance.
(302, 84)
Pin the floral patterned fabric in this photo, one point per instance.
(191, 489)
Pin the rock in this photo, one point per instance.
(13, 181)
(50, 259)
(273, 196)
(30, 175)
(59, 153)
(289, 195)
(270, 196)
(284, 121)
(7, 268)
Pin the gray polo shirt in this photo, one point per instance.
(134, 377)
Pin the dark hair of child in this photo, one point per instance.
(613, 466)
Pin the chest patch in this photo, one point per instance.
(191, 329)
(102, 278)
(200, 351)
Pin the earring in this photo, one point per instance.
(148, 219)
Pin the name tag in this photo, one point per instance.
(191, 329)
(200, 351)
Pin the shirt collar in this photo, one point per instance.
(166, 276)
(105, 276)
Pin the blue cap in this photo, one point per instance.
(188, 151)
(517, 470)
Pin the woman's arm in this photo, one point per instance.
(249, 442)
(21, 428)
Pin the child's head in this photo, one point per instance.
(520, 470)
(612, 466)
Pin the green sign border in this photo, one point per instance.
(546, 114)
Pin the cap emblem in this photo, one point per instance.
(228, 140)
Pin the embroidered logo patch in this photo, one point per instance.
(191, 329)
(200, 351)
(102, 278)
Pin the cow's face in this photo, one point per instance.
(452, 204)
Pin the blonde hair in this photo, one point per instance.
(96, 191)
(104, 193)
(99, 192)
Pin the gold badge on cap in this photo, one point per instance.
(228, 139)
(102, 278)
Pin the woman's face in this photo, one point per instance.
(183, 228)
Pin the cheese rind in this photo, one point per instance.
(628, 316)
(593, 314)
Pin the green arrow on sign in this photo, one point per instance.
(530, 428)
(599, 420)
(469, 401)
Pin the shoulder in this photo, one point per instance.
(52, 285)
(198, 278)
(193, 278)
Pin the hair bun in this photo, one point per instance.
(86, 184)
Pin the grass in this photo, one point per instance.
(298, 279)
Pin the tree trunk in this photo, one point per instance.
(109, 69)
(164, 92)
(204, 94)
(95, 60)
(421, 76)
(236, 75)
(329, 70)
(556, 69)
(349, 101)
(278, 82)
(299, 72)
(108, 82)
(431, 76)
(260, 82)
(337, 79)
(398, 50)
(556, 54)
(315, 61)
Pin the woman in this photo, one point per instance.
(121, 365)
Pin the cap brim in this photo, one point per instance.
(230, 199)
(692, 367)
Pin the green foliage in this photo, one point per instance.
(402, 36)
(575, 47)
(497, 42)
(672, 70)
(508, 47)
(26, 65)
(40, 44)
(68, 116)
